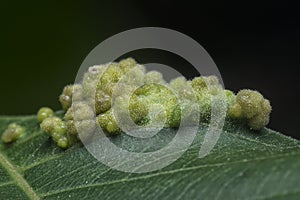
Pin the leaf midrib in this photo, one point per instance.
(18, 178)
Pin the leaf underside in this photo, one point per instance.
(243, 165)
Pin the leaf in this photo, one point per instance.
(243, 165)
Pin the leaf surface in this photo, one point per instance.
(243, 165)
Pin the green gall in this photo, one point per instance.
(69, 121)
(178, 84)
(235, 111)
(109, 88)
(115, 92)
(250, 101)
(91, 79)
(138, 108)
(85, 128)
(56, 136)
(108, 122)
(113, 73)
(205, 88)
(57, 128)
(69, 114)
(127, 64)
(209, 83)
(134, 77)
(12, 133)
(66, 97)
(175, 117)
(82, 111)
(52, 123)
(102, 102)
(211, 80)
(252, 106)
(79, 119)
(204, 102)
(112, 127)
(71, 128)
(230, 98)
(259, 121)
(159, 101)
(44, 113)
(154, 77)
(63, 142)
(182, 88)
(199, 84)
(266, 107)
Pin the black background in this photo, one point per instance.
(255, 45)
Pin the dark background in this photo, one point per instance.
(255, 45)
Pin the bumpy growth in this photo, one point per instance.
(142, 98)
(12, 133)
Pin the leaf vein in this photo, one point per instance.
(18, 178)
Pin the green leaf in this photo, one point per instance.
(243, 165)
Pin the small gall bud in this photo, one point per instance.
(12, 133)
(44, 113)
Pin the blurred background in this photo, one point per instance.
(255, 45)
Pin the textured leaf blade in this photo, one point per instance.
(243, 165)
